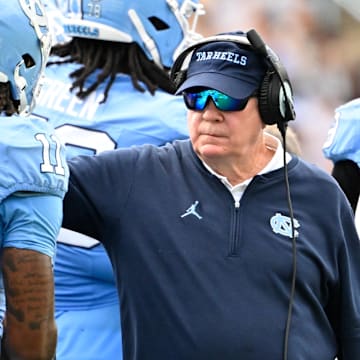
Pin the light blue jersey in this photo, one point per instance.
(32, 158)
(127, 118)
(343, 142)
(87, 309)
(33, 182)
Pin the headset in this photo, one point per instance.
(276, 105)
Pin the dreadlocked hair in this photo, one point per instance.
(7, 104)
(111, 58)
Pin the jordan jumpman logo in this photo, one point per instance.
(192, 211)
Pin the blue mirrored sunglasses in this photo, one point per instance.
(199, 100)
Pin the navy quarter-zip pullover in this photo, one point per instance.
(201, 279)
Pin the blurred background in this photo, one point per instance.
(318, 41)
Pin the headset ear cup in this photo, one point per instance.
(265, 110)
(269, 97)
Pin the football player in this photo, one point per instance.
(33, 182)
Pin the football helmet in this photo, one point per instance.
(160, 27)
(25, 45)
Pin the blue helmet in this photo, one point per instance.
(25, 45)
(160, 27)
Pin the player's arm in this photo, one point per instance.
(30, 227)
(347, 174)
(30, 330)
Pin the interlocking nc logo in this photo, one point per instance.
(281, 224)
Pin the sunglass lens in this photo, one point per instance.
(195, 101)
(198, 101)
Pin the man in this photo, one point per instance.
(343, 148)
(33, 182)
(105, 89)
(215, 256)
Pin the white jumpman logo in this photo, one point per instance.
(192, 211)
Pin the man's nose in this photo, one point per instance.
(211, 112)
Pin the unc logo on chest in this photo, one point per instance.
(281, 224)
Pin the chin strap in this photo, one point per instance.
(21, 84)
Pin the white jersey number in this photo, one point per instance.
(95, 140)
(46, 165)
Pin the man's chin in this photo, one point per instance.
(211, 151)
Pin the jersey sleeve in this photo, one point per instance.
(343, 141)
(32, 158)
(31, 222)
